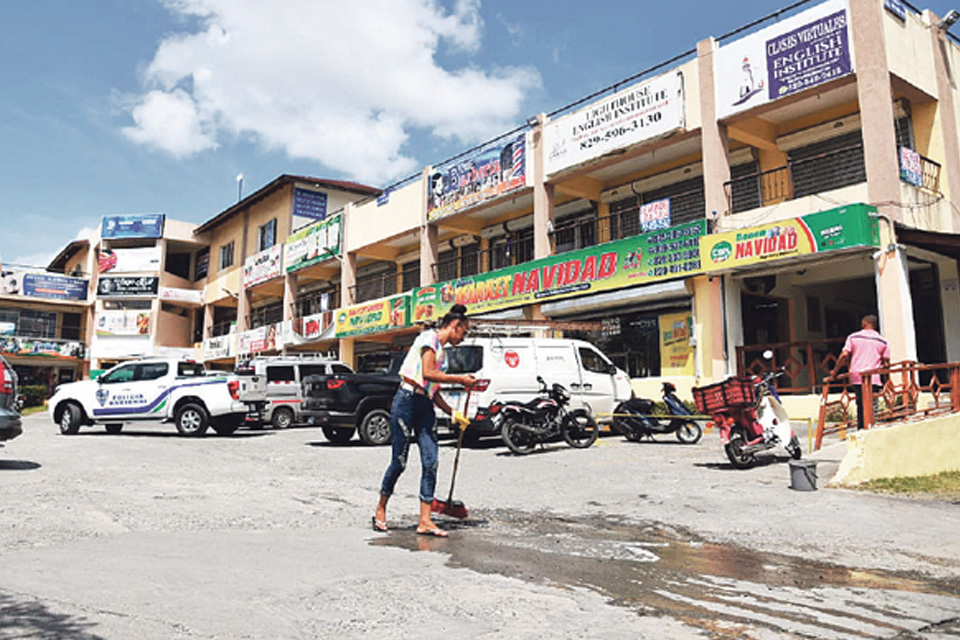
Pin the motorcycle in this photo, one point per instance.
(524, 425)
(750, 417)
(635, 421)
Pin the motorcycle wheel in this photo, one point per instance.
(734, 450)
(627, 427)
(579, 429)
(689, 432)
(517, 439)
(794, 448)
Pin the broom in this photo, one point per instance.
(451, 507)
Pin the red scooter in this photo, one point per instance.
(750, 417)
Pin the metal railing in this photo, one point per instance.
(805, 362)
(930, 170)
(783, 183)
(373, 287)
(897, 401)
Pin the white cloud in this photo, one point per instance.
(342, 83)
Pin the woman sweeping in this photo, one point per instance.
(413, 418)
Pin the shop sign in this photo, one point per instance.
(314, 325)
(495, 170)
(911, 168)
(260, 339)
(123, 323)
(897, 8)
(309, 204)
(42, 285)
(121, 347)
(655, 215)
(803, 51)
(651, 257)
(188, 296)
(129, 260)
(676, 352)
(263, 266)
(202, 264)
(10, 346)
(842, 228)
(120, 287)
(219, 347)
(316, 243)
(642, 112)
(147, 225)
(372, 317)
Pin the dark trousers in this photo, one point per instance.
(858, 394)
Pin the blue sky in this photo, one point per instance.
(110, 107)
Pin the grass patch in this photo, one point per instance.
(942, 486)
(28, 411)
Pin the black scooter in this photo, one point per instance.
(635, 421)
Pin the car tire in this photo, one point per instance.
(70, 419)
(338, 435)
(282, 418)
(192, 419)
(114, 428)
(226, 426)
(375, 427)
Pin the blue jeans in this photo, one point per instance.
(412, 418)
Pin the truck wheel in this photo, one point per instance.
(192, 419)
(114, 428)
(338, 435)
(226, 426)
(70, 419)
(375, 427)
(282, 418)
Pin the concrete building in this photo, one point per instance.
(766, 190)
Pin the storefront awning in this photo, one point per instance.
(947, 244)
(660, 292)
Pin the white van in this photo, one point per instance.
(285, 376)
(513, 364)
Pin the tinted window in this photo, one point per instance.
(312, 370)
(341, 368)
(464, 359)
(280, 373)
(152, 370)
(190, 370)
(593, 361)
(120, 374)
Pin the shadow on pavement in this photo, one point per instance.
(18, 465)
(31, 619)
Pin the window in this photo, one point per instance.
(464, 359)
(201, 264)
(828, 164)
(447, 265)
(267, 235)
(178, 264)
(593, 361)
(37, 324)
(280, 373)
(151, 371)
(126, 373)
(226, 256)
(190, 370)
(70, 326)
(312, 370)
(411, 275)
(470, 260)
(341, 369)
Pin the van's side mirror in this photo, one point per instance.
(612, 369)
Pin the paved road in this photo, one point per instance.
(266, 535)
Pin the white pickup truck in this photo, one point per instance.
(164, 389)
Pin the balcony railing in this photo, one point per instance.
(805, 362)
(373, 287)
(931, 174)
(797, 178)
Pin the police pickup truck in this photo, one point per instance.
(159, 389)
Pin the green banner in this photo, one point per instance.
(385, 314)
(650, 257)
(833, 230)
(310, 245)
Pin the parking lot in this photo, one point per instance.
(266, 534)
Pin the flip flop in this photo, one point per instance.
(436, 533)
(379, 525)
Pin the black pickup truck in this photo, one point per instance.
(342, 403)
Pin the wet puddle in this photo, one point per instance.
(726, 592)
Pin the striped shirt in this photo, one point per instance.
(867, 350)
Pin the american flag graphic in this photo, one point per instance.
(518, 157)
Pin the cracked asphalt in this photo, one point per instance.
(266, 534)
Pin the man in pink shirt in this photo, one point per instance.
(865, 349)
